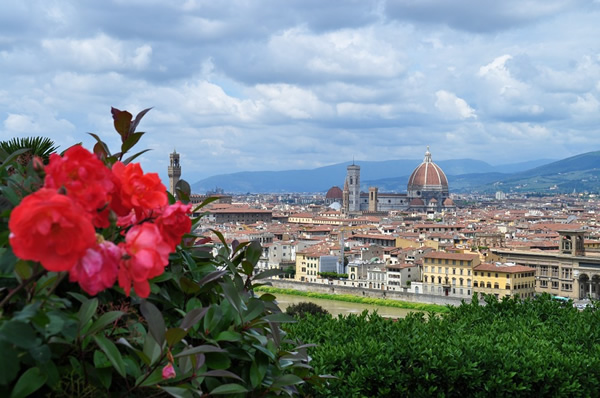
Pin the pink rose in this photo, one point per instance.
(98, 268)
(168, 372)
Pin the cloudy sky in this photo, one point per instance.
(287, 84)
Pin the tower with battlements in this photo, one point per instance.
(174, 171)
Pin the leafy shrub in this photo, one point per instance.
(170, 315)
(531, 348)
(299, 310)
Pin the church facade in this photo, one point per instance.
(427, 191)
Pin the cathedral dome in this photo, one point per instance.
(334, 193)
(428, 176)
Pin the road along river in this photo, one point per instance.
(340, 307)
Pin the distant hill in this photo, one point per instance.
(388, 175)
(579, 173)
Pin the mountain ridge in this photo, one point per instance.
(322, 178)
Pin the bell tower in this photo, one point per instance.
(174, 171)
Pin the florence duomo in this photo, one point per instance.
(427, 191)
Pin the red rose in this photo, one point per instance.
(52, 229)
(147, 255)
(144, 193)
(86, 179)
(98, 268)
(174, 222)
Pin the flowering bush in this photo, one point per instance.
(191, 326)
(81, 193)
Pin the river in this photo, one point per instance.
(341, 307)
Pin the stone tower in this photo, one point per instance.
(174, 171)
(373, 198)
(346, 198)
(353, 178)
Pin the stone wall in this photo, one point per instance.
(365, 292)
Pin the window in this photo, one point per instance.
(468, 283)
(453, 271)
(469, 272)
(475, 273)
(489, 275)
(453, 262)
(496, 275)
(489, 285)
(496, 286)
(461, 271)
(475, 284)
(507, 287)
(446, 261)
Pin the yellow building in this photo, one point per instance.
(312, 261)
(506, 279)
(449, 274)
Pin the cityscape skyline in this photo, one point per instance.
(265, 86)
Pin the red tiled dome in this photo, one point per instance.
(334, 193)
(417, 202)
(428, 176)
(448, 202)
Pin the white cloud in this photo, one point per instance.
(453, 107)
(98, 53)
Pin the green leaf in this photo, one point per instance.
(86, 312)
(133, 157)
(253, 252)
(27, 312)
(138, 119)
(104, 320)
(122, 122)
(156, 323)
(131, 141)
(153, 379)
(178, 392)
(255, 308)
(188, 286)
(23, 269)
(40, 354)
(112, 353)
(192, 317)
(228, 335)
(9, 363)
(174, 336)
(105, 376)
(152, 350)
(211, 277)
(222, 373)
(7, 261)
(229, 389)
(20, 334)
(200, 349)
(280, 317)
(268, 273)
(217, 360)
(100, 360)
(28, 383)
(287, 380)
(232, 294)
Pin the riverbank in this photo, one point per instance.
(356, 299)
